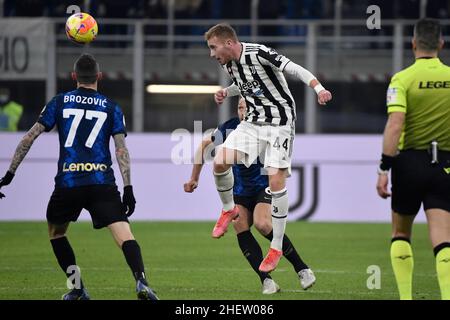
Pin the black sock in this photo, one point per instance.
(64, 254)
(252, 252)
(132, 253)
(290, 253)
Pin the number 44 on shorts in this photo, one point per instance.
(285, 144)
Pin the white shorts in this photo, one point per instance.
(273, 144)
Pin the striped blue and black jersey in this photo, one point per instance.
(248, 182)
(85, 120)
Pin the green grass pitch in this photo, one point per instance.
(184, 262)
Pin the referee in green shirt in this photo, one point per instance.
(416, 146)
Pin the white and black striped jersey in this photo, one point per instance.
(259, 76)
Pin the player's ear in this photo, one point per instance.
(74, 76)
(99, 76)
(413, 42)
(441, 43)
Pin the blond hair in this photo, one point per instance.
(221, 30)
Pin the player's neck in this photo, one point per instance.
(237, 51)
(424, 54)
(88, 86)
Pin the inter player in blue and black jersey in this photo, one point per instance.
(251, 195)
(86, 120)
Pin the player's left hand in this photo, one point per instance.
(6, 179)
(128, 200)
(382, 186)
(190, 186)
(323, 97)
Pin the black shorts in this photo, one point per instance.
(416, 181)
(102, 201)
(250, 202)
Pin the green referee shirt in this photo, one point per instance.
(422, 92)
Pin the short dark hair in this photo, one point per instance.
(427, 33)
(221, 30)
(86, 68)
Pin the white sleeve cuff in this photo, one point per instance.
(299, 72)
(318, 88)
(233, 90)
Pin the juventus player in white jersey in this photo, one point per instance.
(268, 130)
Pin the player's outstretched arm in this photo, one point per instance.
(297, 71)
(25, 145)
(123, 159)
(192, 184)
(21, 151)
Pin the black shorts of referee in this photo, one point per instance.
(416, 181)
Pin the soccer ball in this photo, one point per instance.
(81, 28)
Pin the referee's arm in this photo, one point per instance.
(391, 138)
(392, 133)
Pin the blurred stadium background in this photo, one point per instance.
(153, 41)
(146, 42)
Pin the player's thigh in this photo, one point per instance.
(105, 206)
(262, 214)
(225, 158)
(244, 221)
(245, 140)
(278, 152)
(402, 225)
(121, 232)
(409, 180)
(65, 205)
(438, 226)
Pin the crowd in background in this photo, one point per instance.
(227, 9)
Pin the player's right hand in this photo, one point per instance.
(323, 97)
(382, 186)
(190, 186)
(128, 200)
(5, 181)
(220, 95)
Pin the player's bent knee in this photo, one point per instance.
(240, 225)
(57, 236)
(220, 167)
(56, 231)
(277, 183)
(263, 227)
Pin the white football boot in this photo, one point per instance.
(270, 286)
(307, 278)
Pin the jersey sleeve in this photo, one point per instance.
(48, 115)
(118, 122)
(396, 96)
(270, 57)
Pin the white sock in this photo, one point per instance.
(224, 184)
(280, 208)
